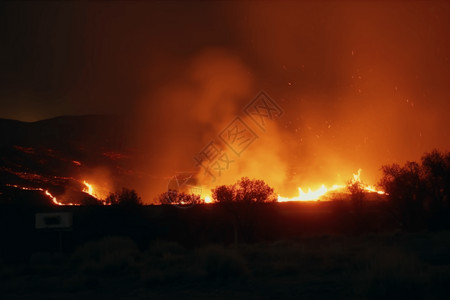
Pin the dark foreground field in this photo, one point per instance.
(164, 252)
(400, 266)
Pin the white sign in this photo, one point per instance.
(60, 220)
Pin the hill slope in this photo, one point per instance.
(58, 154)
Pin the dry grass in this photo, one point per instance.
(396, 265)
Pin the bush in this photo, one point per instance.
(111, 256)
(174, 197)
(393, 272)
(168, 263)
(162, 248)
(223, 264)
(126, 197)
(419, 193)
(245, 191)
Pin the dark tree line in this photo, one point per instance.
(419, 192)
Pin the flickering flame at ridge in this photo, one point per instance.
(208, 199)
(314, 195)
(94, 190)
(54, 200)
(46, 192)
(311, 195)
(89, 189)
(365, 187)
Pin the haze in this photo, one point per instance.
(360, 84)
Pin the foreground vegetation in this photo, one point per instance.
(395, 265)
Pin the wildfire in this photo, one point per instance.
(311, 195)
(95, 191)
(208, 199)
(89, 189)
(314, 195)
(46, 192)
(367, 188)
(203, 193)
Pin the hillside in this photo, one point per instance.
(57, 154)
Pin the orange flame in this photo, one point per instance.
(365, 187)
(311, 195)
(89, 189)
(46, 192)
(208, 199)
(94, 190)
(315, 195)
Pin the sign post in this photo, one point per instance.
(58, 221)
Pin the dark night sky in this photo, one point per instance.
(76, 58)
(363, 84)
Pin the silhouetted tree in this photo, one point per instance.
(239, 200)
(244, 191)
(420, 192)
(174, 197)
(436, 172)
(406, 188)
(126, 197)
(357, 195)
(253, 191)
(224, 193)
(168, 197)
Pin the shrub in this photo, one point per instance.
(111, 256)
(223, 264)
(126, 197)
